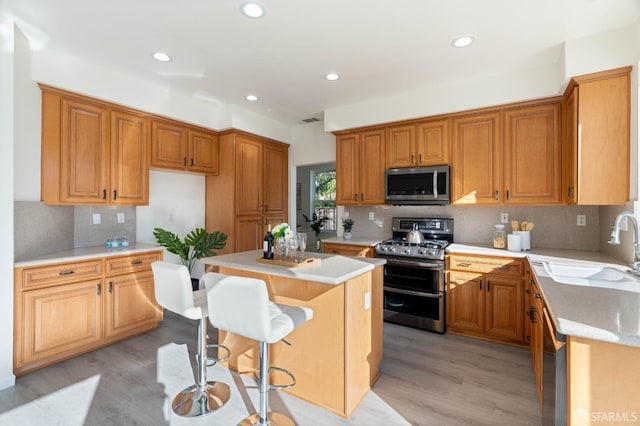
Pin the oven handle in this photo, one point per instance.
(436, 265)
(415, 293)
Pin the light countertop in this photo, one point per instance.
(78, 254)
(603, 314)
(359, 241)
(332, 269)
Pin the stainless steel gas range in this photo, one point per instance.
(414, 288)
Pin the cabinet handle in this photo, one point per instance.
(528, 338)
(184, 161)
(99, 289)
(488, 285)
(104, 194)
(115, 194)
(528, 291)
(355, 197)
(266, 208)
(66, 272)
(191, 163)
(507, 194)
(335, 251)
(464, 264)
(411, 158)
(480, 284)
(361, 196)
(420, 159)
(110, 287)
(136, 262)
(538, 296)
(570, 192)
(496, 195)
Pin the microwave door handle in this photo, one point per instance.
(435, 184)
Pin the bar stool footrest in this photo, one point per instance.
(211, 361)
(282, 370)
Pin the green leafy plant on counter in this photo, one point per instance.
(196, 245)
(347, 224)
(315, 223)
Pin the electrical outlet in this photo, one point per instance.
(96, 218)
(120, 217)
(582, 220)
(504, 217)
(371, 216)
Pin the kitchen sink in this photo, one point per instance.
(592, 276)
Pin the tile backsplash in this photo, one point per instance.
(41, 229)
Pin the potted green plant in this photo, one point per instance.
(196, 245)
(347, 225)
(316, 224)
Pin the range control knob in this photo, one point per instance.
(407, 250)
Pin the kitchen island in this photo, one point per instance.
(335, 357)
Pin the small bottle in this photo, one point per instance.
(499, 237)
(267, 246)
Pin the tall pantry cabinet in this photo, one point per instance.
(250, 191)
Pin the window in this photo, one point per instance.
(324, 202)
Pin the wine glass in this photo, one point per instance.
(281, 245)
(302, 242)
(292, 243)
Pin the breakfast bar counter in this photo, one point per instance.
(335, 357)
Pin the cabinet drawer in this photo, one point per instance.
(494, 265)
(138, 262)
(348, 250)
(43, 276)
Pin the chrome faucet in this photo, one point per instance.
(614, 239)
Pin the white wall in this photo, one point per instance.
(8, 63)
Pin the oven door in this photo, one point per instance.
(414, 294)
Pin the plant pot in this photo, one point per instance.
(347, 235)
(195, 284)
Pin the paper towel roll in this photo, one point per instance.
(525, 239)
(514, 242)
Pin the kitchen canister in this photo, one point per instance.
(525, 239)
(514, 242)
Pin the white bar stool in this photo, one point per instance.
(241, 306)
(174, 292)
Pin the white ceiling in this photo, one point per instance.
(379, 47)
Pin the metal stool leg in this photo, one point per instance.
(203, 397)
(265, 417)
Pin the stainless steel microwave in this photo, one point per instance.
(417, 186)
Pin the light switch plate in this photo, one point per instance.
(120, 217)
(96, 218)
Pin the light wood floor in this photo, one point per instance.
(426, 378)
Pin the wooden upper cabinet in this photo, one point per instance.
(360, 165)
(177, 146)
(476, 157)
(168, 145)
(84, 152)
(249, 176)
(92, 153)
(276, 161)
(532, 155)
(416, 145)
(597, 112)
(203, 152)
(130, 139)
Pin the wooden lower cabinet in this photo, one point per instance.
(348, 250)
(487, 305)
(66, 309)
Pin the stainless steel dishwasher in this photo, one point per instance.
(554, 387)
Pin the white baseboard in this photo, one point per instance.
(7, 382)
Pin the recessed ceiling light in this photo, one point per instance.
(252, 10)
(251, 97)
(332, 76)
(463, 40)
(162, 57)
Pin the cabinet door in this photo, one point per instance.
(371, 169)
(504, 317)
(276, 178)
(401, 147)
(348, 169)
(532, 155)
(603, 141)
(130, 145)
(168, 145)
(273, 220)
(249, 233)
(249, 177)
(570, 148)
(130, 303)
(84, 153)
(203, 152)
(432, 143)
(476, 145)
(59, 321)
(465, 302)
